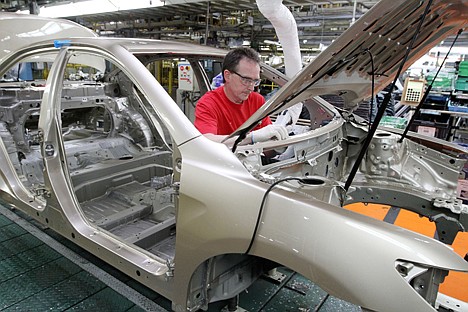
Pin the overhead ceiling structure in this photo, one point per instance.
(221, 23)
(218, 22)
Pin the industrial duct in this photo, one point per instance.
(286, 29)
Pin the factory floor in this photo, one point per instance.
(42, 271)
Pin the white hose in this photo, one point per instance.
(286, 29)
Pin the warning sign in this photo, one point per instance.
(185, 76)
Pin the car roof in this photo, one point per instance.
(20, 30)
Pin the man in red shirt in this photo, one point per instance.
(220, 112)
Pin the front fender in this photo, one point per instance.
(349, 255)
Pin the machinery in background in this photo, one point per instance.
(461, 82)
(187, 91)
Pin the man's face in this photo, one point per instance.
(241, 83)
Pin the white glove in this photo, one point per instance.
(289, 116)
(269, 132)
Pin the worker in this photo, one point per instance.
(220, 112)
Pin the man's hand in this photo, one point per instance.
(270, 132)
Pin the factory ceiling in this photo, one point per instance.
(219, 23)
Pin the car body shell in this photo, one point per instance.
(231, 218)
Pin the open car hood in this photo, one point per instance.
(376, 43)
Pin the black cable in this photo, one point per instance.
(239, 139)
(428, 90)
(385, 102)
(262, 206)
(372, 86)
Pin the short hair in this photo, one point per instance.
(232, 59)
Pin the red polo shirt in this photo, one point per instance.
(216, 114)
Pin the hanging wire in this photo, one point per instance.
(371, 111)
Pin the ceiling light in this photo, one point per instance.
(271, 42)
(94, 7)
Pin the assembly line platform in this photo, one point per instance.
(43, 271)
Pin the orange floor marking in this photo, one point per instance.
(412, 221)
(371, 210)
(456, 283)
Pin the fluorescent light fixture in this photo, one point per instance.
(172, 2)
(271, 42)
(299, 25)
(309, 24)
(94, 7)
